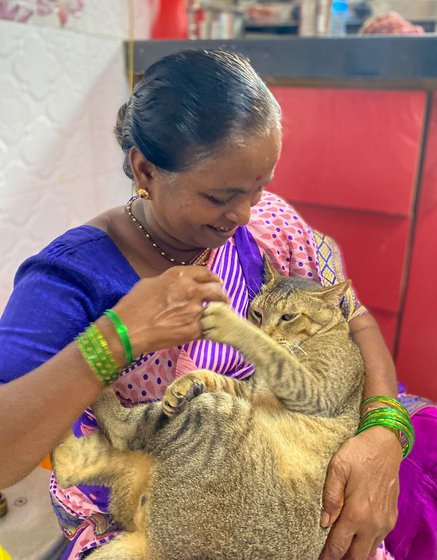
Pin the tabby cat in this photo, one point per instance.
(224, 469)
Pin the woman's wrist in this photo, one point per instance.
(375, 406)
(106, 346)
(103, 350)
(96, 352)
(385, 439)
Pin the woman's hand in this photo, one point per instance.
(164, 311)
(360, 495)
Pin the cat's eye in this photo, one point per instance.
(257, 314)
(288, 317)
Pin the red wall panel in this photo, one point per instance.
(374, 248)
(350, 148)
(350, 164)
(417, 354)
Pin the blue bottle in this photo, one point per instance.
(338, 18)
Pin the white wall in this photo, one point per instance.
(60, 89)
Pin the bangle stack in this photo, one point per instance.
(96, 352)
(95, 349)
(391, 415)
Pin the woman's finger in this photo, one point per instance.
(212, 291)
(338, 541)
(376, 544)
(333, 492)
(360, 548)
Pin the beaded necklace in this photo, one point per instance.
(199, 260)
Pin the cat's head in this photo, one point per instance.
(293, 309)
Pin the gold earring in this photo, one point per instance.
(143, 193)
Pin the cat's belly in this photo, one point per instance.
(223, 495)
(232, 517)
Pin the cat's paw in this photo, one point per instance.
(180, 392)
(218, 321)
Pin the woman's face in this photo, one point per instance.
(202, 207)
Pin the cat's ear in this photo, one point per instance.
(337, 291)
(269, 274)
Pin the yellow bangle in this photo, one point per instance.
(96, 352)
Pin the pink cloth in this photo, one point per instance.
(390, 23)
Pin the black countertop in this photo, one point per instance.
(404, 61)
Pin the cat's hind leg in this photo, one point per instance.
(92, 459)
(81, 460)
(126, 546)
(200, 381)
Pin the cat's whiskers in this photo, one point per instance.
(301, 349)
(250, 291)
(293, 347)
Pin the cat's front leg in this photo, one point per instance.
(275, 367)
(182, 391)
(221, 324)
(192, 384)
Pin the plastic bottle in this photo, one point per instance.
(338, 18)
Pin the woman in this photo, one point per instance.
(202, 136)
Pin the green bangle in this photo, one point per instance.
(389, 401)
(121, 329)
(96, 352)
(394, 419)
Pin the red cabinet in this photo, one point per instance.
(350, 164)
(417, 353)
(350, 148)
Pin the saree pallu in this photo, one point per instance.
(415, 534)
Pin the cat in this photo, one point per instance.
(227, 469)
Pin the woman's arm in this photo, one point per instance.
(38, 408)
(362, 488)
(380, 370)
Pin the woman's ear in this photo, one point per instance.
(143, 171)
